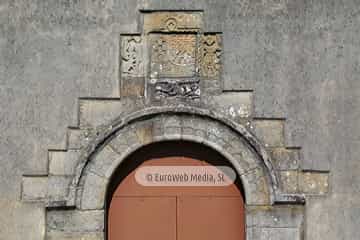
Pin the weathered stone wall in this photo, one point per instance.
(301, 58)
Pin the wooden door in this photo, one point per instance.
(137, 212)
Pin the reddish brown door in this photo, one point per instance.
(175, 213)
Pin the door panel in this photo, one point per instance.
(210, 218)
(129, 186)
(175, 213)
(139, 218)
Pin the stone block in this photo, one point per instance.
(172, 21)
(34, 188)
(20, 220)
(274, 233)
(163, 91)
(103, 160)
(210, 87)
(132, 59)
(132, 87)
(289, 181)
(94, 112)
(256, 189)
(314, 182)
(235, 104)
(285, 158)
(209, 55)
(57, 188)
(284, 216)
(63, 162)
(77, 138)
(93, 192)
(269, 131)
(75, 236)
(144, 132)
(73, 221)
(189, 124)
(172, 126)
(172, 55)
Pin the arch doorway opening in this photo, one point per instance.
(137, 212)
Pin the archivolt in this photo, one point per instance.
(113, 143)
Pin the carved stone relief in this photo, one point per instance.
(210, 55)
(132, 56)
(172, 22)
(170, 58)
(172, 55)
(188, 88)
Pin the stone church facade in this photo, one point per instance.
(269, 85)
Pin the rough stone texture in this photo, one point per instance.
(22, 219)
(88, 192)
(73, 221)
(94, 191)
(289, 181)
(103, 159)
(57, 188)
(299, 56)
(270, 132)
(97, 112)
(34, 188)
(132, 87)
(77, 138)
(63, 162)
(286, 158)
(284, 216)
(74, 236)
(313, 183)
(274, 233)
(235, 104)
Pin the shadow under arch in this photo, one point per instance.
(162, 149)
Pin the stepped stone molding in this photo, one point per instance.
(171, 89)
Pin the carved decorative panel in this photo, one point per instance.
(172, 58)
(172, 55)
(132, 56)
(210, 55)
(188, 88)
(172, 22)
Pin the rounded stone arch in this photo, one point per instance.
(127, 134)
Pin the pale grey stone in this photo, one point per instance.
(284, 216)
(93, 192)
(269, 131)
(57, 187)
(289, 181)
(314, 183)
(63, 162)
(34, 188)
(103, 160)
(19, 220)
(75, 236)
(274, 233)
(235, 104)
(69, 221)
(285, 158)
